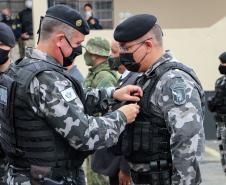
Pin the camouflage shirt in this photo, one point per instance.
(184, 117)
(101, 76)
(65, 114)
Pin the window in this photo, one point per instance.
(15, 5)
(103, 9)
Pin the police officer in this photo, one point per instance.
(96, 55)
(217, 105)
(7, 42)
(14, 23)
(47, 134)
(164, 145)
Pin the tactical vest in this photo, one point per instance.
(26, 138)
(147, 140)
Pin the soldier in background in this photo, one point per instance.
(96, 55)
(26, 21)
(7, 42)
(100, 76)
(165, 143)
(47, 133)
(14, 23)
(91, 20)
(217, 104)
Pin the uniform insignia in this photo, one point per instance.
(3, 95)
(69, 94)
(178, 92)
(78, 23)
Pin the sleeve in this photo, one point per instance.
(54, 99)
(124, 166)
(180, 103)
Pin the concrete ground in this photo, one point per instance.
(212, 173)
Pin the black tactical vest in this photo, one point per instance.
(26, 138)
(147, 140)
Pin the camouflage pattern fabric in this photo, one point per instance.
(178, 101)
(53, 98)
(98, 46)
(101, 76)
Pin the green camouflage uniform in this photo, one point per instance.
(100, 76)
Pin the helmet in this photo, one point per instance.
(98, 46)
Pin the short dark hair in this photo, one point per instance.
(89, 5)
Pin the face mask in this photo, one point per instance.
(114, 63)
(88, 14)
(88, 59)
(128, 61)
(28, 4)
(222, 69)
(3, 56)
(6, 17)
(75, 52)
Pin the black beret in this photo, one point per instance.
(6, 35)
(134, 27)
(222, 57)
(68, 16)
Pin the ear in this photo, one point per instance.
(59, 39)
(149, 45)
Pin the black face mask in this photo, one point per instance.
(128, 61)
(114, 63)
(3, 56)
(222, 69)
(75, 52)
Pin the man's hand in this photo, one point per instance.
(130, 111)
(128, 93)
(124, 178)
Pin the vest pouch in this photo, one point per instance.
(127, 140)
(7, 139)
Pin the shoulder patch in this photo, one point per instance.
(178, 92)
(3, 95)
(69, 94)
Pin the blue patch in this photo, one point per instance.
(3, 95)
(178, 92)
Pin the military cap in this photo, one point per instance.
(134, 27)
(222, 57)
(98, 46)
(68, 16)
(6, 35)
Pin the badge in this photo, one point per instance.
(69, 94)
(78, 23)
(178, 92)
(3, 95)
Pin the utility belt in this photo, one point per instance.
(41, 175)
(159, 174)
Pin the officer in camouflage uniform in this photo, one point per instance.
(165, 143)
(100, 76)
(47, 135)
(96, 55)
(217, 104)
(7, 42)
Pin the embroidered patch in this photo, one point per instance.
(69, 94)
(178, 92)
(3, 95)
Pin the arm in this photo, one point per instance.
(54, 99)
(181, 105)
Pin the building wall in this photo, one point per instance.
(193, 30)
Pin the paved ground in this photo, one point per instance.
(212, 173)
